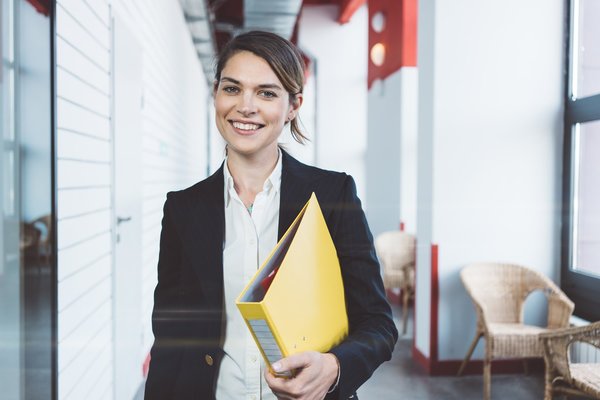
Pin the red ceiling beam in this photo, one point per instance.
(41, 6)
(348, 8)
(399, 36)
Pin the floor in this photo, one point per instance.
(401, 378)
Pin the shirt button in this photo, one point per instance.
(253, 397)
(208, 359)
(251, 241)
(253, 358)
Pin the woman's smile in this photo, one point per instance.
(245, 128)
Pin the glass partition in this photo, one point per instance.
(10, 274)
(27, 266)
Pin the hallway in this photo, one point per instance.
(402, 378)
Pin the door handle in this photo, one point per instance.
(120, 220)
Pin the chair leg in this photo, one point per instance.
(487, 378)
(405, 297)
(478, 336)
(547, 383)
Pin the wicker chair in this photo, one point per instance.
(562, 376)
(396, 251)
(498, 292)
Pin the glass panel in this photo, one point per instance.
(34, 198)
(586, 48)
(10, 280)
(26, 274)
(586, 232)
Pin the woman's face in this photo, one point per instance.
(251, 105)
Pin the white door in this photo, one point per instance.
(127, 274)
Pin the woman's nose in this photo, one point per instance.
(246, 106)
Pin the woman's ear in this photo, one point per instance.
(295, 105)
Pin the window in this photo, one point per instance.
(581, 194)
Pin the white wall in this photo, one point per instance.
(340, 135)
(383, 154)
(173, 121)
(491, 89)
(391, 159)
(84, 200)
(174, 156)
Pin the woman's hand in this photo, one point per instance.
(315, 374)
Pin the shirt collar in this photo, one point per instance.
(272, 182)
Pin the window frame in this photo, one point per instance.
(580, 287)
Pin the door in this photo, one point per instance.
(127, 274)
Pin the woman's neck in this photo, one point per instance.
(250, 173)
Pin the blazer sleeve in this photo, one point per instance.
(166, 353)
(372, 332)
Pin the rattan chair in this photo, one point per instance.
(396, 251)
(562, 376)
(498, 292)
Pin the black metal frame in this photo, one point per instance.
(53, 187)
(582, 288)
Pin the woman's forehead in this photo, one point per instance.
(246, 68)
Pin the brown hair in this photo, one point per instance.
(282, 56)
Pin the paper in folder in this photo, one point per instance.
(295, 301)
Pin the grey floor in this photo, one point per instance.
(401, 378)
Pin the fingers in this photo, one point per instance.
(313, 380)
(295, 361)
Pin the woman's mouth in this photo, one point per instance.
(245, 128)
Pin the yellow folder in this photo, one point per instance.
(295, 301)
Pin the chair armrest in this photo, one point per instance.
(556, 345)
(588, 333)
(560, 309)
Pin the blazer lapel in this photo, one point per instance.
(295, 191)
(208, 229)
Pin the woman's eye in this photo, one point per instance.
(231, 89)
(268, 94)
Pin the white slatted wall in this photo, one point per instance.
(173, 120)
(174, 157)
(83, 61)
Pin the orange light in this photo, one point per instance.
(378, 54)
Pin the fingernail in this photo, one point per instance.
(276, 367)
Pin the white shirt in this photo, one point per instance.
(249, 238)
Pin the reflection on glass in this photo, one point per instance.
(26, 274)
(586, 210)
(586, 48)
(10, 281)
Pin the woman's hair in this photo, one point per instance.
(282, 56)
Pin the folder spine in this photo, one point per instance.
(265, 338)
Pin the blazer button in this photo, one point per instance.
(208, 359)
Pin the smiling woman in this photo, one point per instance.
(216, 233)
(252, 107)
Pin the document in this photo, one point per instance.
(295, 301)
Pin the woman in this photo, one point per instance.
(216, 233)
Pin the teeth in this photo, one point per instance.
(246, 127)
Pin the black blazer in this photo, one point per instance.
(188, 300)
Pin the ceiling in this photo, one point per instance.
(212, 23)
